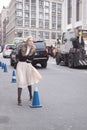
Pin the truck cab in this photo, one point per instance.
(72, 51)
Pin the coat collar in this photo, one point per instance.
(24, 49)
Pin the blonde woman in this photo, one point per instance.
(27, 75)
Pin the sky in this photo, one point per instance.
(4, 3)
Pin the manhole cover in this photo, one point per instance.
(4, 119)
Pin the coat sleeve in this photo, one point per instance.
(32, 51)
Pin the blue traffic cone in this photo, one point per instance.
(13, 77)
(0, 63)
(5, 68)
(36, 101)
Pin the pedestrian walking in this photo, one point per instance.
(27, 75)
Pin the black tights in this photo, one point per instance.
(30, 91)
(20, 91)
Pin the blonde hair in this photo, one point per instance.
(29, 37)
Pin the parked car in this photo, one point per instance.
(8, 49)
(0, 48)
(14, 53)
(41, 55)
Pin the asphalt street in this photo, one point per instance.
(62, 93)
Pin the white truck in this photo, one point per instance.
(72, 49)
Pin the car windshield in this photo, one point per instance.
(10, 46)
(39, 45)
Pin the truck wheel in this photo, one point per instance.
(66, 60)
(71, 61)
(58, 60)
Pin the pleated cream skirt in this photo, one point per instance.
(27, 74)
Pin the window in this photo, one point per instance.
(27, 0)
(41, 23)
(26, 33)
(27, 14)
(53, 25)
(19, 13)
(54, 18)
(53, 7)
(53, 21)
(33, 34)
(19, 33)
(41, 3)
(33, 1)
(40, 16)
(19, 0)
(46, 10)
(69, 11)
(33, 8)
(79, 10)
(40, 45)
(46, 3)
(26, 7)
(53, 35)
(19, 6)
(46, 35)
(59, 21)
(46, 16)
(10, 46)
(33, 22)
(41, 35)
(59, 26)
(33, 15)
(59, 35)
(59, 7)
(40, 9)
(47, 24)
(19, 21)
(26, 22)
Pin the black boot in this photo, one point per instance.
(19, 96)
(30, 92)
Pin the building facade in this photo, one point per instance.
(4, 22)
(74, 14)
(39, 18)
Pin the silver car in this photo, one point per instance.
(8, 49)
